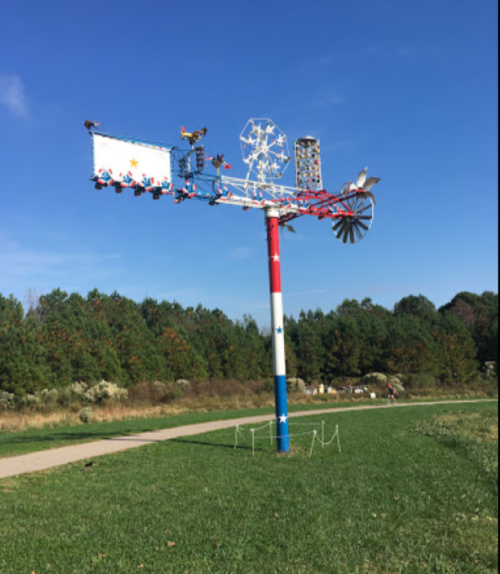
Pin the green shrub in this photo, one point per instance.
(77, 390)
(295, 385)
(105, 391)
(48, 396)
(490, 369)
(29, 401)
(182, 384)
(7, 400)
(86, 415)
(377, 379)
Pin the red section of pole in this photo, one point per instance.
(273, 249)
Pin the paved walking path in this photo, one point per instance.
(58, 456)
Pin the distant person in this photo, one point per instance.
(391, 396)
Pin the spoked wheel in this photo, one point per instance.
(353, 227)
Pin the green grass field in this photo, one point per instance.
(36, 439)
(13, 443)
(414, 490)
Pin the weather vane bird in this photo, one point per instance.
(363, 185)
(90, 125)
(193, 137)
(217, 161)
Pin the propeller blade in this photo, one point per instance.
(352, 187)
(370, 195)
(287, 227)
(339, 228)
(337, 225)
(361, 177)
(370, 182)
(356, 229)
(367, 206)
(365, 227)
(345, 232)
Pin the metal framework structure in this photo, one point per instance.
(181, 173)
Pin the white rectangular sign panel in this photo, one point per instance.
(130, 163)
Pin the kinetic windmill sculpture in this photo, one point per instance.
(169, 170)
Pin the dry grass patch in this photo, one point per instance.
(472, 424)
(18, 421)
(14, 421)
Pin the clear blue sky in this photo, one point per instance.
(408, 88)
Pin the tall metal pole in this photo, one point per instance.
(278, 334)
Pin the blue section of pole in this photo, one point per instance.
(282, 436)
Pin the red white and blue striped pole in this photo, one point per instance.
(278, 334)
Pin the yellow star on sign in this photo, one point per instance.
(133, 162)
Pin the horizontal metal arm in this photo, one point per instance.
(291, 202)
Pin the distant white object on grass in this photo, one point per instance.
(373, 396)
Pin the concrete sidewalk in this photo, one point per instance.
(58, 456)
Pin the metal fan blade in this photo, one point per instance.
(364, 216)
(337, 225)
(351, 233)
(365, 227)
(346, 232)
(342, 229)
(367, 206)
(370, 182)
(356, 202)
(356, 229)
(361, 177)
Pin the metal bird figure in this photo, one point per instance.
(363, 185)
(192, 137)
(217, 161)
(89, 125)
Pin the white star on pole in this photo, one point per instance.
(283, 418)
(275, 257)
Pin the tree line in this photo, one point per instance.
(64, 338)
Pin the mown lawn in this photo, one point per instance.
(36, 439)
(404, 496)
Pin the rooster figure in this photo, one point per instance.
(193, 137)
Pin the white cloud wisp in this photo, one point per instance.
(12, 95)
